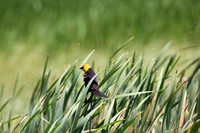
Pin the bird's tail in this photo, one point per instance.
(98, 93)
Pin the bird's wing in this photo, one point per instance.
(96, 91)
(91, 74)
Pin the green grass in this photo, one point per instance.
(142, 97)
(96, 23)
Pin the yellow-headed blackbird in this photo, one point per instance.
(89, 74)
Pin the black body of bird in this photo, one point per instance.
(89, 74)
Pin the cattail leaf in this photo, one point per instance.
(4, 105)
(112, 71)
(75, 79)
(85, 119)
(108, 114)
(123, 45)
(75, 121)
(124, 128)
(100, 128)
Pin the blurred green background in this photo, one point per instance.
(31, 30)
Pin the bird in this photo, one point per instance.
(89, 74)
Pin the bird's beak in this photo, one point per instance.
(81, 68)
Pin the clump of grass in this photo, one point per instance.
(151, 98)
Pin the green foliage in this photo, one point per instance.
(96, 22)
(138, 100)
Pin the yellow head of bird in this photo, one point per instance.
(85, 67)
